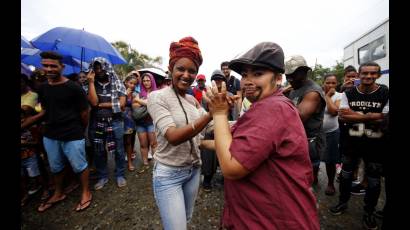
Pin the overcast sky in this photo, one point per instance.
(316, 29)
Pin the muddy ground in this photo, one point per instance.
(133, 207)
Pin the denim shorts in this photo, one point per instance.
(144, 128)
(59, 151)
(30, 165)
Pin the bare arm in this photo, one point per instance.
(33, 119)
(140, 101)
(208, 144)
(309, 105)
(351, 116)
(332, 107)
(230, 167)
(92, 94)
(122, 102)
(176, 136)
(219, 106)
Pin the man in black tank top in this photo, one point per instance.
(309, 98)
(363, 109)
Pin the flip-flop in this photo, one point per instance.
(131, 169)
(87, 203)
(50, 204)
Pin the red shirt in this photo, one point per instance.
(269, 140)
(198, 93)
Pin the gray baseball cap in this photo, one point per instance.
(217, 74)
(265, 54)
(293, 62)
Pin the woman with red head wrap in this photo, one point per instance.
(178, 119)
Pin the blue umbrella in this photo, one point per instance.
(32, 57)
(25, 43)
(25, 69)
(78, 44)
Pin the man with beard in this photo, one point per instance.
(364, 108)
(264, 157)
(309, 98)
(65, 111)
(107, 95)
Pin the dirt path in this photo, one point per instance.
(133, 207)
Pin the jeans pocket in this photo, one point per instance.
(162, 171)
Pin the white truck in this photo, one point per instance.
(371, 46)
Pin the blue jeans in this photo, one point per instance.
(175, 191)
(58, 151)
(101, 156)
(30, 166)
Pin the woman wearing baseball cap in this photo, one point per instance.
(264, 157)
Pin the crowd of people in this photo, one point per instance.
(267, 140)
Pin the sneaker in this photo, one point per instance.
(369, 222)
(338, 209)
(100, 184)
(358, 190)
(356, 182)
(379, 214)
(34, 190)
(121, 182)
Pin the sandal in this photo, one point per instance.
(83, 206)
(47, 205)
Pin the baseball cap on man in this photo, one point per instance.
(200, 77)
(265, 54)
(293, 62)
(218, 75)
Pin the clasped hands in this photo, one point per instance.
(219, 102)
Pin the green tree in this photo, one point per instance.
(135, 60)
(319, 72)
(338, 70)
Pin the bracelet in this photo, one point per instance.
(193, 126)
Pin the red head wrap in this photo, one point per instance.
(186, 47)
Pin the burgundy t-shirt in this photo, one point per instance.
(269, 140)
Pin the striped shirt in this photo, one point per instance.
(166, 112)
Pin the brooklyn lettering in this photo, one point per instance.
(366, 104)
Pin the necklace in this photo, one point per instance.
(103, 86)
